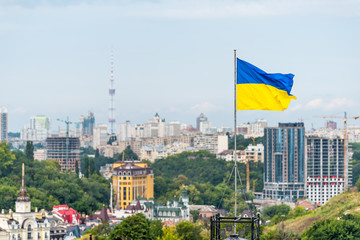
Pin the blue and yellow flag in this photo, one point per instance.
(258, 90)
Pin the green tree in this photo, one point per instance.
(242, 143)
(129, 154)
(279, 234)
(188, 231)
(101, 231)
(86, 166)
(8, 196)
(333, 229)
(134, 227)
(6, 159)
(29, 150)
(77, 167)
(271, 211)
(91, 166)
(156, 229)
(195, 214)
(169, 233)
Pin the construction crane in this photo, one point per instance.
(253, 190)
(248, 170)
(345, 143)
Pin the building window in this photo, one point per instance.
(29, 232)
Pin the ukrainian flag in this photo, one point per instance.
(258, 90)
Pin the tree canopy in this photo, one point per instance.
(47, 185)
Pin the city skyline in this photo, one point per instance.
(175, 58)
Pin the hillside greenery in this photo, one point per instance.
(137, 227)
(206, 179)
(355, 162)
(340, 215)
(47, 185)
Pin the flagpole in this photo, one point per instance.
(235, 155)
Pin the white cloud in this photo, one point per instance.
(204, 107)
(339, 103)
(315, 104)
(296, 107)
(319, 103)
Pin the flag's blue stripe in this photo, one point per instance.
(248, 73)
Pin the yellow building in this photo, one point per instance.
(132, 180)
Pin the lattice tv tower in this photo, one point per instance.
(111, 95)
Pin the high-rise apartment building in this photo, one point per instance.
(172, 129)
(155, 127)
(67, 156)
(125, 131)
(284, 161)
(88, 124)
(325, 168)
(3, 124)
(41, 124)
(213, 143)
(132, 180)
(257, 127)
(38, 130)
(199, 119)
(100, 136)
(205, 127)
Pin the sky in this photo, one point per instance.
(175, 58)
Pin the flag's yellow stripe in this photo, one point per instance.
(262, 97)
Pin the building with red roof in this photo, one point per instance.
(68, 215)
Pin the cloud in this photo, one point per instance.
(319, 103)
(296, 107)
(315, 104)
(339, 103)
(204, 107)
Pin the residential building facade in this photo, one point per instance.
(284, 162)
(132, 180)
(325, 168)
(255, 153)
(38, 129)
(3, 124)
(214, 143)
(100, 136)
(201, 118)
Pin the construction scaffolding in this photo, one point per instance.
(246, 228)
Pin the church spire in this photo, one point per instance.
(23, 193)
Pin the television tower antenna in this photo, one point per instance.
(111, 95)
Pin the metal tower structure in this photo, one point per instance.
(111, 95)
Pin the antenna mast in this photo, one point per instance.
(111, 95)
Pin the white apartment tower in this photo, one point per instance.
(125, 131)
(100, 136)
(325, 168)
(257, 127)
(3, 124)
